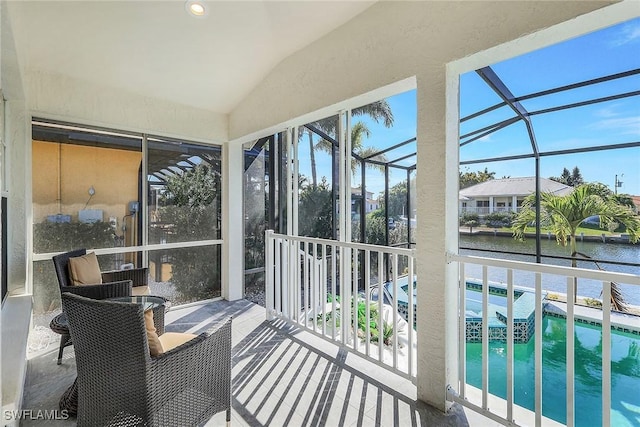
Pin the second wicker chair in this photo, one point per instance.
(119, 383)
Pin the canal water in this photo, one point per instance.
(617, 252)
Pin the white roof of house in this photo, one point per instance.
(514, 187)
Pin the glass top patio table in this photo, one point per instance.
(147, 301)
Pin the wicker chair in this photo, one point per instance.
(116, 281)
(120, 384)
(115, 284)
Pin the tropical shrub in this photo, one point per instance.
(592, 302)
(470, 219)
(499, 219)
(374, 328)
(61, 237)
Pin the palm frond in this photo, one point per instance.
(378, 111)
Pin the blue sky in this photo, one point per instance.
(612, 50)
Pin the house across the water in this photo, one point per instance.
(505, 195)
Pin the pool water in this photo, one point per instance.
(473, 303)
(625, 374)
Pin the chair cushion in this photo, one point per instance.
(140, 291)
(155, 346)
(171, 340)
(84, 270)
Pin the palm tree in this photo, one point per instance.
(563, 214)
(378, 111)
(358, 132)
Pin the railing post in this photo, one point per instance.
(269, 269)
(345, 293)
(606, 354)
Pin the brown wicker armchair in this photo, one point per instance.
(119, 383)
(115, 281)
(115, 284)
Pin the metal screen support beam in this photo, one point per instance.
(386, 205)
(144, 202)
(497, 85)
(281, 183)
(271, 168)
(289, 172)
(363, 205)
(295, 181)
(409, 212)
(335, 173)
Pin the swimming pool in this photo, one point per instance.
(523, 309)
(473, 303)
(625, 373)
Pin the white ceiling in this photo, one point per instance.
(154, 48)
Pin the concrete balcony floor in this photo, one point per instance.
(281, 377)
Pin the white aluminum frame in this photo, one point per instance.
(508, 417)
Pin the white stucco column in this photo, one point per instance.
(437, 189)
(232, 222)
(514, 203)
(491, 202)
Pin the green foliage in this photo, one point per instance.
(315, 210)
(191, 205)
(625, 200)
(387, 333)
(61, 237)
(468, 178)
(194, 188)
(592, 302)
(470, 219)
(376, 228)
(573, 178)
(499, 219)
(66, 236)
(374, 330)
(564, 214)
(397, 200)
(378, 111)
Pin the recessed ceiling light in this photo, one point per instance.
(196, 8)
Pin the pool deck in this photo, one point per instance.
(623, 322)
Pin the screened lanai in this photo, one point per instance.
(507, 124)
(518, 125)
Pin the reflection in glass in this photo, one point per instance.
(85, 189)
(46, 289)
(256, 212)
(184, 192)
(186, 275)
(318, 157)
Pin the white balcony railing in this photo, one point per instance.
(324, 286)
(485, 210)
(480, 400)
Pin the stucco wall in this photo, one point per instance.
(389, 42)
(15, 133)
(386, 43)
(72, 100)
(112, 173)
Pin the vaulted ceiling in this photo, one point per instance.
(156, 49)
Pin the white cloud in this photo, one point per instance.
(622, 125)
(628, 33)
(607, 112)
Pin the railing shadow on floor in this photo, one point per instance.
(279, 379)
